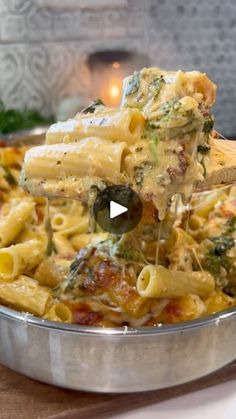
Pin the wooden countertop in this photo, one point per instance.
(21, 397)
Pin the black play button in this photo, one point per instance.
(117, 209)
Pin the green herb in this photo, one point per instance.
(222, 244)
(139, 172)
(133, 84)
(154, 140)
(158, 82)
(208, 123)
(170, 106)
(216, 258)
(127, 248)
(212, 264)
(231, 225)
(13, 120)
(92, 107)
(203, 148)
(9, 177)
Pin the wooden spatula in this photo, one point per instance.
(221, 167)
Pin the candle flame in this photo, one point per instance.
(114, 91)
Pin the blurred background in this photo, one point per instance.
(56, 55)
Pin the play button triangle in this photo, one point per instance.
(116, 209)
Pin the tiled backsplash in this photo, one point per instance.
(44, 45)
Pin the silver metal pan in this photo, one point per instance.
(116, 360)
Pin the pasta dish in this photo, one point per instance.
(178, 264)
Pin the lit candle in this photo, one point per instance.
(114, 91)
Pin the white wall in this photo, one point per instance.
(43, 49)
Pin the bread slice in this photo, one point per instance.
(221, 166)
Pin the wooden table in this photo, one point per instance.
(23, 398)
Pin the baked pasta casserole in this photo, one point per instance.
(178, 264)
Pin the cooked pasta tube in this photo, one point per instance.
(52, 271)
(62, 244)
(20, 258)
(79, 228)
(69, 224)
(207, 204)
(59, 313)
(178, 238)
(110, 124)
(12, 223)
(159, 282)
(26, 294)
(70, 169)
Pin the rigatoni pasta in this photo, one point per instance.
(109, 124)
(59, 313)
(159, 282)
(71, 169)
(14, 222)
(26, 294)
(20, 258)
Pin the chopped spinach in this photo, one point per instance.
(222, 244)
(212, 263)
(92, 107)
(170, 106)
(127, 248)
(208, 123)
(139, 172)
(158, 83)
(231, 225)
(133, 84)
(216, 258)
(203, 148)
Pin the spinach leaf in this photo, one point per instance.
(222, 244)
(208, 123)
(203, 148)
(92, 107)
(133, 84)
(158, 82)
(231, 225)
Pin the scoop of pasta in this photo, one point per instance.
(158, 141)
